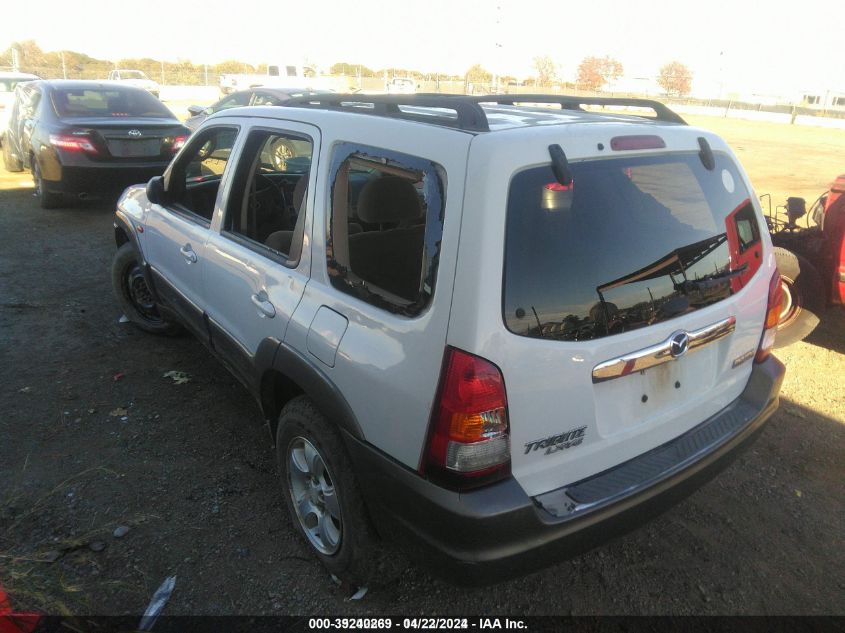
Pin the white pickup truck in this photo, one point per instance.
(281, 76)
(136, 78)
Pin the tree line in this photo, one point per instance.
(593, 73)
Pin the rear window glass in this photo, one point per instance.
(85, 102)
(632, 242)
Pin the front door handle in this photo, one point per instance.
(188, 253)
(265, 308)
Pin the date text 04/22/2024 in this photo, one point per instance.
(413, 624)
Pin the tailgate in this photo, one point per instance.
(630, 306)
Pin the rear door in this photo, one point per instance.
(176, 232)
(257, 263)
(626, 313)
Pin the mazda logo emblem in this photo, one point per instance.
(135, 133)
(678, 344)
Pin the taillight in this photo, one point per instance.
(178, 143)
(469, 436)
(73, 142)
(770, 326)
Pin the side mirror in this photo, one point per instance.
(195, 110)
(155, 190)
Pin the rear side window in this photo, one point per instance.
(631, 242)
(385, 227)
(85, 102)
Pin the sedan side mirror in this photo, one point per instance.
(155, 190)
(195, 110)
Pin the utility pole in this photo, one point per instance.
(64, 68)
(206, 73)
(162, 71)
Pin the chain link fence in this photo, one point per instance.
(186, 74)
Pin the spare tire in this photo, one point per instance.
(803, 297)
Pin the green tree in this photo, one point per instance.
(352, 70)
(478, 75)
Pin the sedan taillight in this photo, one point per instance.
(73, 142)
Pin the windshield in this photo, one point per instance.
(95, 102)
(8, 84)
(631, 242)
(132, 74)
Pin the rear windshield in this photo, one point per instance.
(631, 242)
(94, 102)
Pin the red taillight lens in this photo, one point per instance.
(178, 143)
(637, 141)
(73, 142)
(770, 326)
(469, 441)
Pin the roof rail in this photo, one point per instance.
(469, 115)
(571, 102)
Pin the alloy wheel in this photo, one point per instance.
(311, 487)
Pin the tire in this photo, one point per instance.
(11, 163)
(46, 199)
(280, 152)
(134, 296)
(803, 297)
(324, 500)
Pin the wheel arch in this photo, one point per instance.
(285, 374)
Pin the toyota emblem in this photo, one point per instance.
(135, 133)
(678, 344)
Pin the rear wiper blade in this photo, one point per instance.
(712, 281)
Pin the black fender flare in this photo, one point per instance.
(124, 231)
(274, 358)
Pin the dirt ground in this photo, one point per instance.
(93, 436)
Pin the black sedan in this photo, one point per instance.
(252, 97)
(87, 138)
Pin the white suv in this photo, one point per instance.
(497, 333)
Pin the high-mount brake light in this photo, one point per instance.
(469, 435)
(73, 142)
(636, 141)
(770, 326)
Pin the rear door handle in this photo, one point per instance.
(265, 308)
(188, 253)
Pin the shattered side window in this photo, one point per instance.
(385, 227)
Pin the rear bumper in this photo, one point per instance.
(106, 179)
(497, 532)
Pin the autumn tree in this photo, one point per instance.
(595, 72)
(546, 70)
(675, 79)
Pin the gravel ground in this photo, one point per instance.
(93, 437)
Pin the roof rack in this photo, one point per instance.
(469, 115)
(570, 102)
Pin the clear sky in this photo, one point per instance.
(764, 47)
